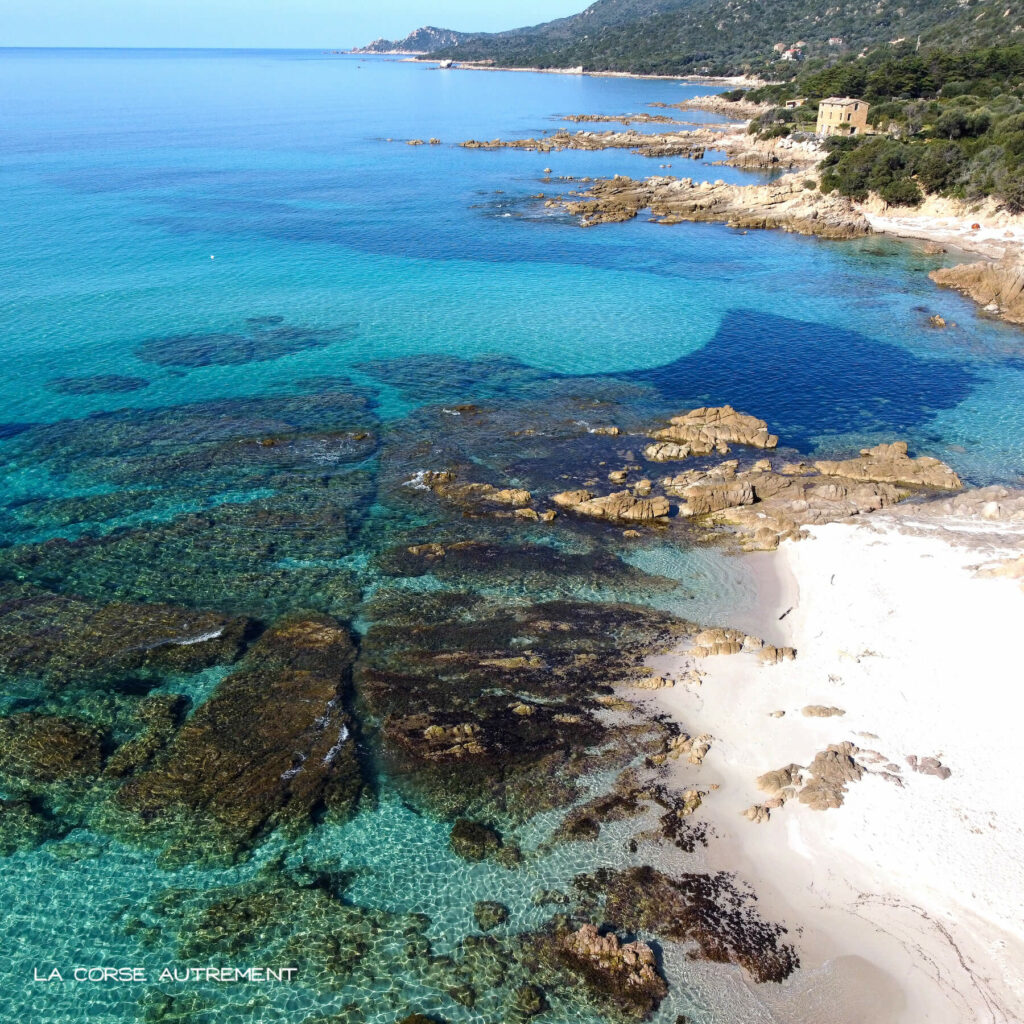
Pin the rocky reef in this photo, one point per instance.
(239, 628)
(741, 149)
(787, 203)
(273, 747)
(63, 639)
(707, 911)
(260, 339)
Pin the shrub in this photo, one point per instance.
(901, 192)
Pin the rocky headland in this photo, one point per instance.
(998, 287)
(793, 203)
(740, 148)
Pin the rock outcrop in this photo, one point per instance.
(445, 484)
(890, 463)
(998, 287)
(764, 506)
(712, 429)
(622, 506)
(627, 969)
(821, 785)
(785, 203)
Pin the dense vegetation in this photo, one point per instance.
(729, 36)
(947, 122)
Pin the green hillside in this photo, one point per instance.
(730, 36)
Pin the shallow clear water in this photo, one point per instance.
(170, 195)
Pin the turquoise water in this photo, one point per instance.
(205, 251)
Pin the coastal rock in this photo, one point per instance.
(770, 655)
(783, 203)
(700, 499)
(831, 771)
(667, 451)
(621, 506)
(822, 711)
(929, 766)
(444, 484)
(890, 463)
(626, 970)
(781, 779)
(990, 284)
(710, 429)
(571, 499)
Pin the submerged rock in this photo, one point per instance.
(39, 749)
(24, 827)
(474, 841)
(261, 339)
(63, 639)
(273, 747)
(444, 678)
(489, 915)
(528, 1001)
(706, 910)
(98, 384)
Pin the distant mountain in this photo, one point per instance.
(423, 40)
(726, 36)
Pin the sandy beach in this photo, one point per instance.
(906, 899)
(734, 81)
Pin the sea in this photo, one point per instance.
(240, 317)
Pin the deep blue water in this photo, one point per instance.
(124, 172)
(158, 203)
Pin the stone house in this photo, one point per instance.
(842, 116)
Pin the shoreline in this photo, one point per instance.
(793, 202)
(902, 900)
(736, 81)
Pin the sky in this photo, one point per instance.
(256, 23)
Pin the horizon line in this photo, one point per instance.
(282, 49)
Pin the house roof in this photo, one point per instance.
(842, 101)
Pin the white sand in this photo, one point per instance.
(909, 899)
